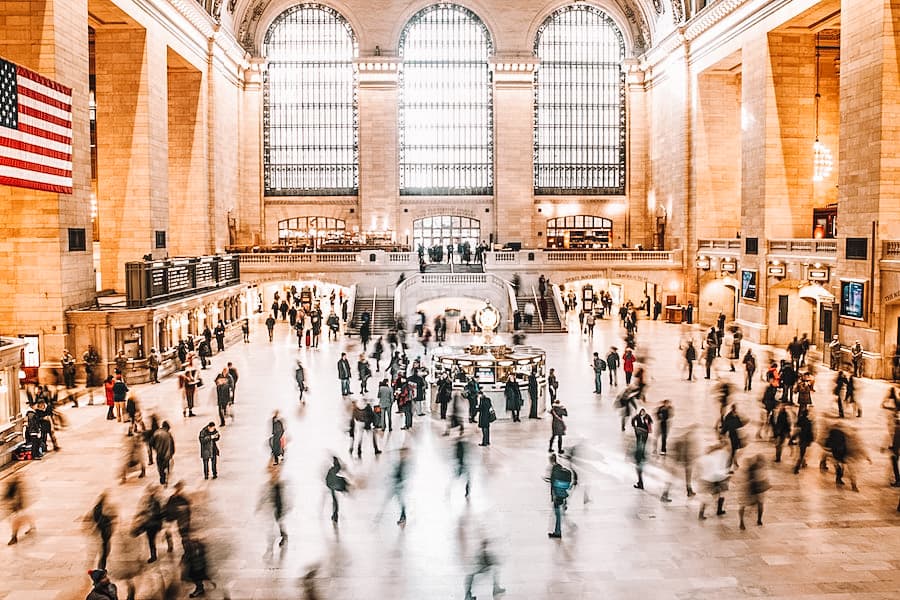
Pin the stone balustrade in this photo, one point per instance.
(890, 250)
(820, 249)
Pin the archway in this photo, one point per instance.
(442, 230)
(578, 232)
(717, 295)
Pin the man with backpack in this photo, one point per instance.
(561, 481)
(599, 366)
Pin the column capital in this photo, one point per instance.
(514, 72)
(377, 71)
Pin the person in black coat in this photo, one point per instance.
(486, 416)
(731, 425)
(444, 392)
(209, 449)
(195, 566)
(805, 435)
(557, 425)
(276, 440)
(533, 395)
(513, 396)
(781, 429)
(788, 378)
(150, 519)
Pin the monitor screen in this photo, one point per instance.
(852, 299)
(748, 285)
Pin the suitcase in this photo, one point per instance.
(308, 339)
(23, 452)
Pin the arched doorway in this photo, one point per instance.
(442, 230)
(578, 232)
(311, 231)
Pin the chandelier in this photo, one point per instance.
(822, 160)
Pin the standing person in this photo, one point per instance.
(486, 416)
(612, 363)
(839, 384)
(120, 393)
(533, 394)
(804, 349)
(205, 352)
(628, 365)
(334, 324)
(731, 426)
(101, 587)
(68, 369)
(270, 326)
(781, 429)
(91, 365)
(364, 371)
(121, 364)
(300, 380)
(110, 397)
(378, 352)
(805, 435)
(233, 373)
(209, 449)
(224, 386)
(16, 499)
(834, 352)
(103, 517)
(749, 370)
(690, 355)
(755, 489)
(417, 379)
(599, 365)
(149, 520)
(552, 385)
(220, 337)
(344, 374)
(513, 396)
(709, 357)
(164, 446)
(245, 330)
(561, 481)
(558, 413)
(153, 362)
(335, 482)
(385, 401)
(663, 416)
(589, 322)
(485, 562)
(276, 440)
(856, 358)
(642, 424)
(713, 467)
(444, 391)
(471, 391)
(894, 449)
(188, 381)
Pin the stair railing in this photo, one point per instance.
(561, 314)
(537, 308)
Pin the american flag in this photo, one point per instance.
(35, 131)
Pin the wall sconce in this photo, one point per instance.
(703, 263)
(776, 270)
(729, 266)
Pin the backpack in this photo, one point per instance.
(562, 484)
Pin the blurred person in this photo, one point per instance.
(486, 416)
(850, 396)
(209, 449)
(398, 483)
(460, 455)
(364, 371)
(178, 511)
(781, 429)
(103, 517)
(195, 566)
(804, 434)
(16, 499)
(233, 373)
(362, 422)
(149, 519)
(558, 413)
(713, 467)
(731, 427)
(164, 446)
(101, 587)
(300, 380)
(276, 440)
(664, 415)
(894, 448)
(335, 482)
(561, 480)
(755, 488)
(685, 453)
(188, 380)
(709, 358)
(749, 370)
(457, 413)
(485, 562)
(276, 497)
(133, 457)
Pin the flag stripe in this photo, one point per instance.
(51, 113)
(10, 161)
(10, 137)
(14, 144)
(42, 161)
(64, 188)
(26, 91)
(55, 89)
(33, 126)
(11, 171)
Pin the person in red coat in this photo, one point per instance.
(628, 365)
(110, 403)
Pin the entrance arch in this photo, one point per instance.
(441, 230)
(579, 232)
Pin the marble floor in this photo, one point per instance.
(818, 541)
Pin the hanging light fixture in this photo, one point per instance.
(822, 160)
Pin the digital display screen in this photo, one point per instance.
(748, 285)
(852, 299)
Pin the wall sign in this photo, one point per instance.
(729, 267)
(817, 274)
(776, 271)
(748, 285)
(853, 295)
(703, 263)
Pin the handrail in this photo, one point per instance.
(513, 302)
(537, 307)
(558, 305)
(351, 303)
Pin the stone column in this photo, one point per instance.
(641, 215)
(41, 277)
(132, 148)
(379, 159)
(869, 173)
(251, 223)
(515, 214)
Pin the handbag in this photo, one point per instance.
(492, 416)
(199, 382)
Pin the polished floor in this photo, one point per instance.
(818, 541)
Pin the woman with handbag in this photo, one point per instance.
(486, 416)
(557, 424)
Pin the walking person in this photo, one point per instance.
(552, 385)
(385, 402)
(663, 416)
(731, 426)
(364, 371)
(276, 440)
(485, 562)
(209, 449)
(224, 385)
(270, 327)
(103, 517)
(513, 396)
(612, 364)
(558, 413)
(101, 587)
(300, 380)
(642, 424)
(781, 429)
(755, 488)
(749, 370)
(599, 365)
(164, 446)
(335, 482)
(120, 394)
(561, 481)
(805, 434)
(110, 397)
(149, 520)
(16, 499)
(195, 567)
(713, 467)
(690, 356)
(153, 362)
(344, 374)
(399, 477)
(276, 497)
(486, 416)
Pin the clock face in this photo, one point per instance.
(488, 317)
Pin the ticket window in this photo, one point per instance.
(578, 232)
(131, 341)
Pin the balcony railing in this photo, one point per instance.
(891, 250)
(719, 244)
(804, 247)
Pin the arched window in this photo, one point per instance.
(446, 117)
(442, 230)
(579, 134)
(301, 230)
(309, 115)
(579, 232)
